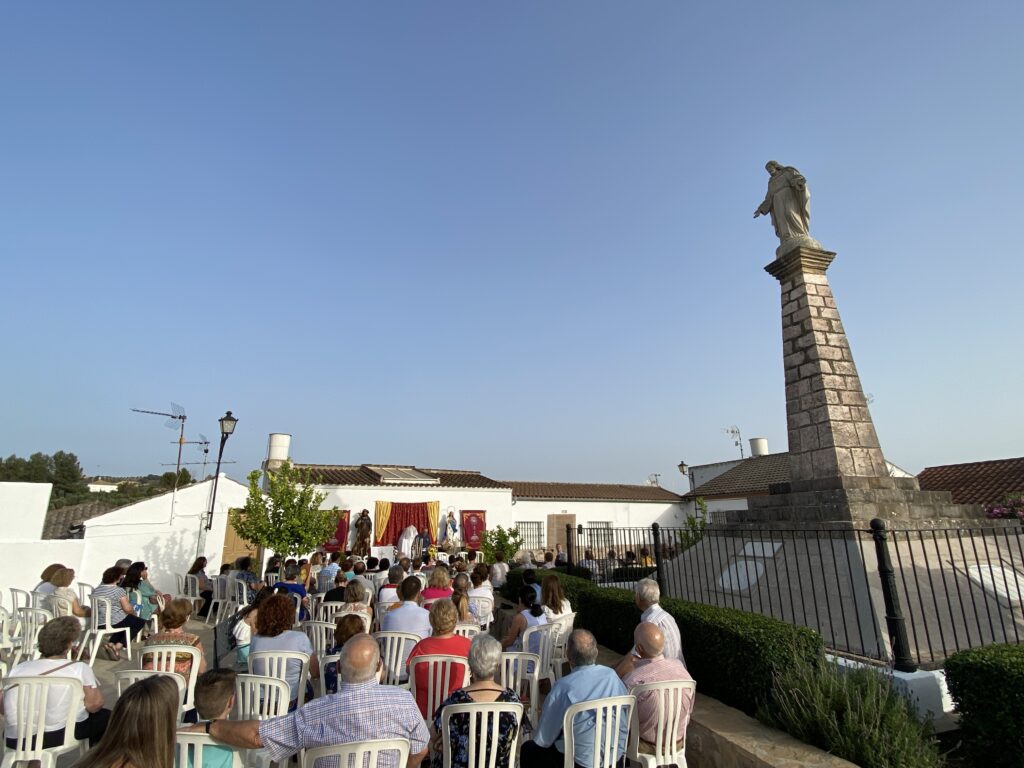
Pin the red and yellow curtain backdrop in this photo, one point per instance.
(339, 541)
(393, 517)
(474, 523)
(433, 513)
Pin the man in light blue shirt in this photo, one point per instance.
(587, 681)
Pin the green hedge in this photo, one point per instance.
(732, 655)
(987, 685)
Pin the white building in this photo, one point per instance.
(539, 510)
(166, 537)
(99, 485)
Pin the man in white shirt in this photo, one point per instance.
(647, 594)
(359, 569)
(389, 592)
(408, 615)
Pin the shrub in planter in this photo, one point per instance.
(854, 714)
(987, 685)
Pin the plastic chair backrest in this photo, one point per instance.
(484, 720)
(320, 634)
(327, 611)
(84, 590)
(191, 586)
(483, 607)
(123, 678)
(357, 753)
(32, 620)
(60, 606)
(330, 658)
(441, 671)
(519, 671)
(241, 592)
(467, 630)
(101, 608)
(673, 705)
(20, 599)
(542, 646)
(394, 651)
(259, 697)
(277, 664)
(40, 599)
(189, 748)
(164, 658)
(26, 706)
(608, 717)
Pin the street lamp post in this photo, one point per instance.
(227, 427)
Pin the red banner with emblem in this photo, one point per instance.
(474, 523)
(339, 541)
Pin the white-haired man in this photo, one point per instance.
(362, 709)
(647, 595)
(586, 681)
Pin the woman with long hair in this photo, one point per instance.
(140, 733)
(529, 614)
(136, 580)
(460, 599)
(198, 570)
(552, 598)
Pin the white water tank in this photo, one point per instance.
(277, 450)
(758, 446)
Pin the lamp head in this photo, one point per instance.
(227, 424)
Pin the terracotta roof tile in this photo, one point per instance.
(57, 521)
(351, 474)
(750, 477)
(980, 482)
(591, 491)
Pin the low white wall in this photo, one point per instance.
(167, 543)
(621, 514)
(23, 509)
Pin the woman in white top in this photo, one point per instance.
(54, 641)
(61, 581)
(499, 571)
(44, 584)
(529, 614)
(552, 598)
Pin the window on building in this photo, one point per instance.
(601, 539)
(532, 533)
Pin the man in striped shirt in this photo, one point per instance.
(361, 710)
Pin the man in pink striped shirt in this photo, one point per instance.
(651, 666)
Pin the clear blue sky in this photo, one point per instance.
(513, 237)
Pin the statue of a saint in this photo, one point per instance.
(363, 527)
(789, 203)
(449, 533)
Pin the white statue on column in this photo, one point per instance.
(788, 201)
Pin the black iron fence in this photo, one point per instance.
(906, 596)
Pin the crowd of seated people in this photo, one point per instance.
(353, 705)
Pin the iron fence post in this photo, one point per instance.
(656, 538)
(894, 621)
(570, 555)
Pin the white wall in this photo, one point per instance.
(101, 488)
(23, 509)
(21, 562)
(499, 507)
(168, 544)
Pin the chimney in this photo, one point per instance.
(758, 447)
(277, 451)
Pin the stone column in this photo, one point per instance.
(831, 435)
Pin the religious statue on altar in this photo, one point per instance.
(449, 531)
(363, 526)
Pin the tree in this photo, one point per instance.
(287, 518)
(497, 539)
(184, 478)
(67, 474)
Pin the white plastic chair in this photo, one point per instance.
(188, 589)
(394, 652)
(189, 747)
(259, 697)
(59, 606)
(324, 581)
(519, 672)
(564, 625)
(165, 657)
(239, 590)
(467, 630)
(382, 607)
(440, 672)
(357, 753)
(276, 664)
(674, 701)
(484, 721)
(331, 658)
(328, 611)
(19, 599)
(545, 642)
(298, 608)
(320, 634)
(40, 599)
(123, 678)
(608, 716)
(98, 629)
(84, 591)
(483, 607)
(221, 604)
(27, 707)
(31, 621)
(10, 644)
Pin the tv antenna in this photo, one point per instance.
(737, 438)
(204, 445)
(175, 420)
(653, 478)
